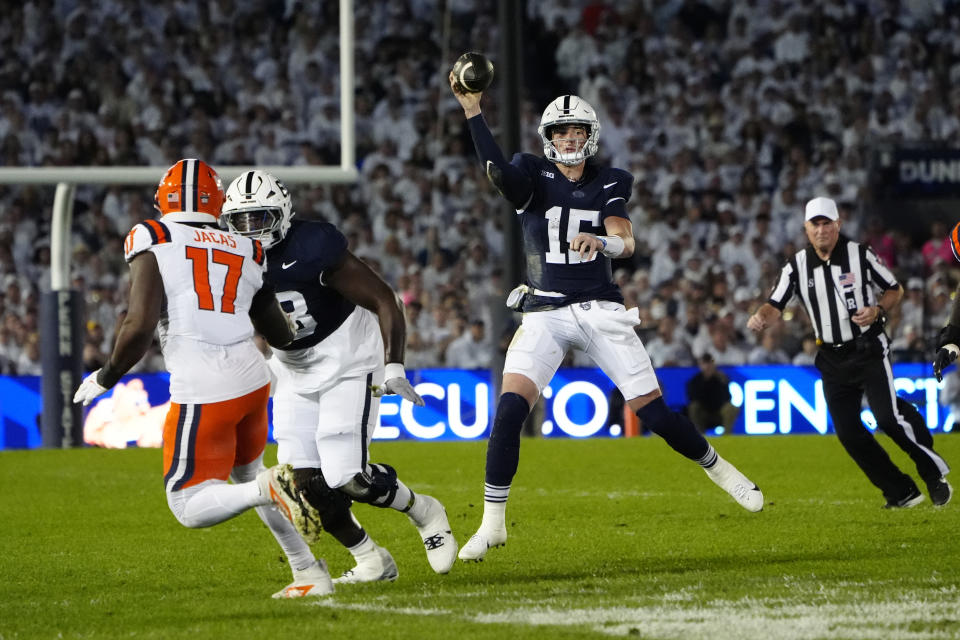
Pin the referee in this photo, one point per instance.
(838, 281)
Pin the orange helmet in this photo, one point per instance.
(190, 186)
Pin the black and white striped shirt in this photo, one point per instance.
(834, 290)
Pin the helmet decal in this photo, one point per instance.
(192, 190)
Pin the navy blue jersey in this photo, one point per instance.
(553, 210)
(557, 211)
(295, 267)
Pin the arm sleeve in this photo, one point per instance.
(512, 182)
(784, 288)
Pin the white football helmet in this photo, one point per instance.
(258, 206)
(569, 110)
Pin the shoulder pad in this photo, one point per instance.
(143, 236)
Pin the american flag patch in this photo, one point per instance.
(173, 196)
(847, 280)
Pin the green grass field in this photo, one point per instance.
(607, 538)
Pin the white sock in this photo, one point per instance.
(494, 515)
(294, 547)
(404, 500)
(710, 458)
(363, 548)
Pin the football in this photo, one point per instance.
(473, 72)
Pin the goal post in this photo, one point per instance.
(61, 310)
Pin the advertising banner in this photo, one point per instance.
(578, 403)
(925, 173)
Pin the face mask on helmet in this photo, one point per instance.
(190, 191)
(563, 112)
(258, 206)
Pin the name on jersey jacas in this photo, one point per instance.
(217, 238)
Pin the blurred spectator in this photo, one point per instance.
(768, 351)
(808, 352)
(708, 397)
(666, 348)
(730, 115)
(472, 349)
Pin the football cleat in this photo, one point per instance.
(277, 483)
(727, 477)
(312, 582)
(437, 537)
(379, 567)
(940, 491)
(478, 544)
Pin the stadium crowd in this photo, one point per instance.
(730, 115)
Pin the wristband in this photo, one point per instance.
(394, 370)
(106, 377)
(613, 246)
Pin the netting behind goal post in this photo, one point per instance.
(61, 310)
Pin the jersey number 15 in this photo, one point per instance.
(575, 219)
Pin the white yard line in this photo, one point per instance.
(909, 616)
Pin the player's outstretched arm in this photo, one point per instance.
(135, 332)
(361, 285)
(512, 183)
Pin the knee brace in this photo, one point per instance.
(379, 487)
(332, 505)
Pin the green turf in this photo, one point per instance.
(607, 537)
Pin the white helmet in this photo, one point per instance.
(258, 206)
(569, 110)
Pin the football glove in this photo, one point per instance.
(945, 355)
(89, 389)
(950, 334)
(396, 382)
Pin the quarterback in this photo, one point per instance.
(574, 219)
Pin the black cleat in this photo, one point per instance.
(940, 491)
(912, 499)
